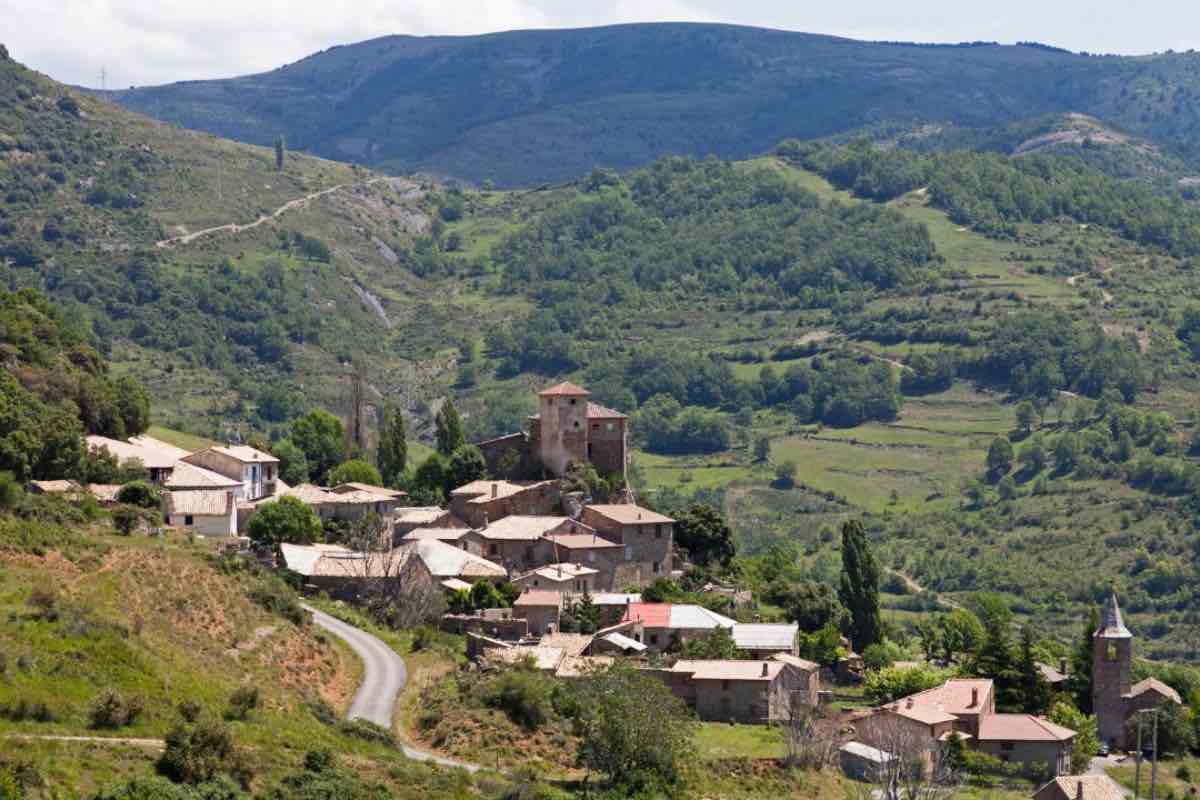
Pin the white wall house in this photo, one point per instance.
(257, 471)
(211, 512)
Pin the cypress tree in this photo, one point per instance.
(450, 435)
(280, 149)
(1035, 693)
(1081, 664)
(859, 589)
(392, 452)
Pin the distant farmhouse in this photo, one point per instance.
(569, 429)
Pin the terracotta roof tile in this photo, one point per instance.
(564, 389)
(1021, 728)
(629, 514)
(1087, 787)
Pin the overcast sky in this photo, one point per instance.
(156, 41)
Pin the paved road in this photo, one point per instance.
(1100, 764)
(384, 675)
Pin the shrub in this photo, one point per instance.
(367, 731)
(323, 712)
(112, 709)
(140, 494)
(25, 710)
(200, 752)
(888, 684)
(243, 700)
(43, 604)
(522, 693)
(189, 710)
(277, 598)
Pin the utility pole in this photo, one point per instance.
(1137, 774)
(1154, 763)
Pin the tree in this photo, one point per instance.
(1026, 415)
(811, 605)
(1007, 488)
(140, 494)
(293, 464)
(785, 474)
(199, 752)
(715, 645)
(1035, 692)
(1086, 743)
(322, 439)
(809, 747)
(432, 475)
(961, 633)
(466, 464)
(280, 151)
(286, 520)
(705, 535)
(392, 451)
(994, 658)
(1080, 679)
(859, 587)
(823, 646)
(632, 729)
(999, 457)
(133, 404)
(762, 448)
(354, 471)
(450, 435)
(1033, 455)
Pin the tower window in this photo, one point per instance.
(576, 423)
(572, 401)
(1110, 652)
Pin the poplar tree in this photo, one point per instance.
(450, 435)
(392, 451)
(859, 588)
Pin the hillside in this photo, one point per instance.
(528, 107)
(876, 318)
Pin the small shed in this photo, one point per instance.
(862, 762)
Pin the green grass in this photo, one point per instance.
(719, 740)
(188, 441)
(1168, 780)
(690, 472)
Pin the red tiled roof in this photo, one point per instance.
(954, 696)
(652, 615)
(565, 389)
(1021, 728)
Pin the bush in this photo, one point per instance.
(522, 693)
(189, 710)
(243, 700)
(112, 709)
(367, 731)
(886, 685)
(25, 710)
(277, 598)
(140, 494)
(43, 604)
(201, 752)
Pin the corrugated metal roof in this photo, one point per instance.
(624, 642)
(865, 751)
(615, 598)
(688, 616)
(763, 636)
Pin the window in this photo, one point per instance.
(595, 426)
(629, 552)
(725, 686)
(493, 549)
(592, 556)
(658, 531)
(576, 423)
(657, 567)
(610, 426)
(187, 519)
(654, 638)
(1006, 746)
(572, 401)
(1111, 652)
(579, 586)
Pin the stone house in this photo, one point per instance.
(804, 679)
(967, 707)
(455, 537)
(584, 547)
(1026, 739)
(208, 513)
(1114, 695)
(733, 691)
(667, 624)
(541, 609)
(763, 640)
(255, 470)
(568, 429)
(648, 537)
(157, 457)
(346, 574)
(404, 520)
(481, 503)
(514, 541)
(560, 578)
(1081, 787)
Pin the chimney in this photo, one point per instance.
(494, 491)
(909, 704)
(1062, 666)
(1079, 790)
(764, 669)
(974, 697)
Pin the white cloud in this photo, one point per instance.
(155, 41)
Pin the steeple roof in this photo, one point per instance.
(1111, 624)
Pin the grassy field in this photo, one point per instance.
(187, 441)
(690, 473)
(719, 740)
(1176, 778)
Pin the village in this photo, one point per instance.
(560, 558)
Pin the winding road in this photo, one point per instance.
(384, 676)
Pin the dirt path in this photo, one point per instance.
(157, 744)
(917, 588)
(291, 205)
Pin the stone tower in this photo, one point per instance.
(1112, 678)
(563, 436)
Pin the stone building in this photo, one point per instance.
(212, 512)
(568, 429)
(571, 578)
(1114, 694)
(735, 691)
(648, 538)
(480, 503)
(541, 609)
(255, 470)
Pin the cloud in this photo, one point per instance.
(155, 41)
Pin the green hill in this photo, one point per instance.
(527, 107)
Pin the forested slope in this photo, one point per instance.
(525, 107)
